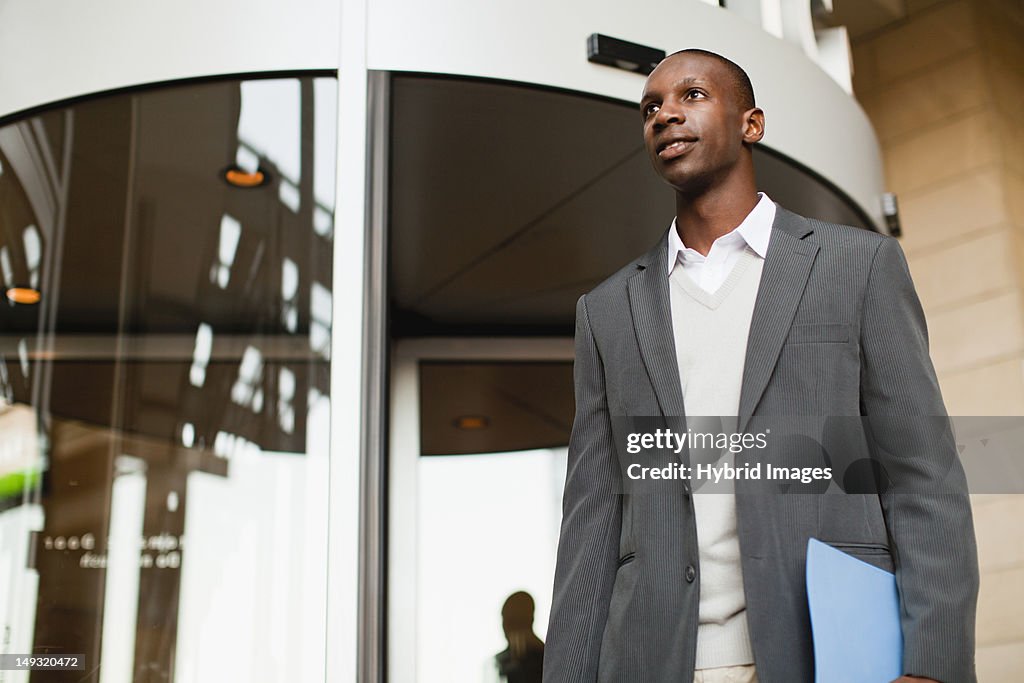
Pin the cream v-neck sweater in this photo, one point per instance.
(710, 332)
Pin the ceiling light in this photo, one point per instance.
(236, 177)
(23, 295)
(471, 422)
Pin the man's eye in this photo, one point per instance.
(695, 93)
(650, 109)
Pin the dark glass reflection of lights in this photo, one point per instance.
(97, 382)
(237, 177)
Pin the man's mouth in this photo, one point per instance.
(675, 148)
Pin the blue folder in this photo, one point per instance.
(855, 618)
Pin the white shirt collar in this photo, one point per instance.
(755, 230)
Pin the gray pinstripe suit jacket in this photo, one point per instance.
(837, 329)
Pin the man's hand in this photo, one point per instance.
(914, 679)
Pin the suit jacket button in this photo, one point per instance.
(691, 573)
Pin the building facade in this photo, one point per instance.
(305, 283)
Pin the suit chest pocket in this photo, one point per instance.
(817, 370)
(818, 333)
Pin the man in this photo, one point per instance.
(746, 309)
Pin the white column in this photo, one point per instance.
(347, 348)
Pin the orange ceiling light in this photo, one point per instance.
(471, 422)
(236, 177)
(23, 295)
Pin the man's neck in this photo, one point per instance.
(703, 219)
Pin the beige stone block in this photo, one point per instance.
(1005, 77)
(865, 69)
(1000, 30)
(978, 333)
(941, 152)
(980, 499)
(1013, 188)
(926, 39)
(965, 269)
(947, 212)
(1012, 143)
(915, 6)
(999, 607)
(1009, 10)
(871, 104)
(1000, 534)
(909, 105)
(1000, 663)
(993, 389)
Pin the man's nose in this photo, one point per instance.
(669, 114)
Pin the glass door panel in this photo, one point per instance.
(164, 381)
(477, 472)
(488, 529)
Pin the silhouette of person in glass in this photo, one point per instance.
(523, 660)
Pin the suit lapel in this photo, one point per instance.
(786, 268)
(652, 320)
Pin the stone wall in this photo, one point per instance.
(945, 91)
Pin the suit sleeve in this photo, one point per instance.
(591, 519)
(926, 506)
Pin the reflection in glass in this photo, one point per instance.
(523, 660)
(164, 407)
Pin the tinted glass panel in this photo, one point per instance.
(164, 404)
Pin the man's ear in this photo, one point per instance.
(753, 126)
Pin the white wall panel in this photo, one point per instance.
(52, 49)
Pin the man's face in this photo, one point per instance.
(694, 125)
